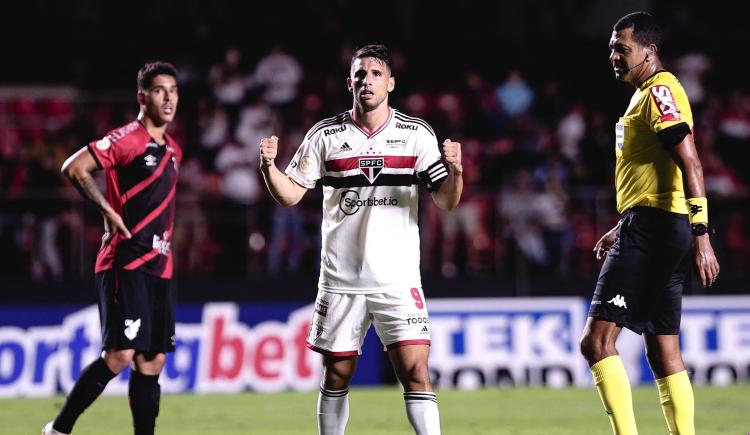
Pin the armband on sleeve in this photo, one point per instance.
(673, 135)
(434, 175)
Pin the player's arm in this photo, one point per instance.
(448, 194)
(284, 190)
(686, 157)
(78, 168)
(606, 242)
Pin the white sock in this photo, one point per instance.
(333, 411)
(422, 410)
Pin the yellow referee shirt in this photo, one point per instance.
(645, 173)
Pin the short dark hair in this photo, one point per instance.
(646, 30)
(376, 51)
(152, 69)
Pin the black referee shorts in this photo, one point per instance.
(641, 281)
(136, 310)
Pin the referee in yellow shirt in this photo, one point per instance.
(664, 226)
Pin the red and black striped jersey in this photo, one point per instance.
(141, 180)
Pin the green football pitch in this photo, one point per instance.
(381, 411)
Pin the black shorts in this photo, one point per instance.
(136, 310)
(641, 281)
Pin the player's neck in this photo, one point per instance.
(373, 119)
(155, 131)
(647, 73)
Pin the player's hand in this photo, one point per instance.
(705, 261)
(452, 153)
(113, 225)
(605, 243)
(269, 147)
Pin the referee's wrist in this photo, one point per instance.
(700, 229)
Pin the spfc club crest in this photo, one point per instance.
(371, 167)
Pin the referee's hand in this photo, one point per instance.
(605, 243)
(705, 261)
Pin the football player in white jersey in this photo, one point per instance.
(371, 161)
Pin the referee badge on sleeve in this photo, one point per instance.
(620, 135)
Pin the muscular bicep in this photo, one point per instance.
(81, 161)
(297, 190)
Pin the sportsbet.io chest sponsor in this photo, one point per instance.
(350, 202)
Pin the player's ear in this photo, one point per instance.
(349, 84)
(391, 83)
(140, 96)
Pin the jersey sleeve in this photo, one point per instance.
(668, 106)
(106, 152)
(429, 166)
(307, 167)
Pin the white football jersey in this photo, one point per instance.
(370, 198)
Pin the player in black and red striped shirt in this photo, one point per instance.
(134, 264)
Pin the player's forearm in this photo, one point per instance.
(449, 193)
(692, 172)
(686, 157)
(84, 182)
(285, 191)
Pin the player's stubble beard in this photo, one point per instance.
(372, 104)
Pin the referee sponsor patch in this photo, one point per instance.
(664, 100)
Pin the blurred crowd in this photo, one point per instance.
(538, 161)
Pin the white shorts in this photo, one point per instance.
(341, 320)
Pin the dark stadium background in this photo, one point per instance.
(68, 75)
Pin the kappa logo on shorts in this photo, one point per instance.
(132, 327)
(618, 301)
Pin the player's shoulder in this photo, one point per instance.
(122, 136)
(665, 89)
(132, 133)
(406, 122)
(665, 78)
(329, 126)
(127, 132)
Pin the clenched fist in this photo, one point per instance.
(269, 147)
(452, 153)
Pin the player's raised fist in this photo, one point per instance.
(452, 154)
(269, 147)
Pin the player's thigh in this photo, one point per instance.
(162, 297)
(124, 307)
(400, 317)
(625, 278)
(339, 324)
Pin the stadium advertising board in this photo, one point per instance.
(506, 342)
(220, 347)
(228, 347)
